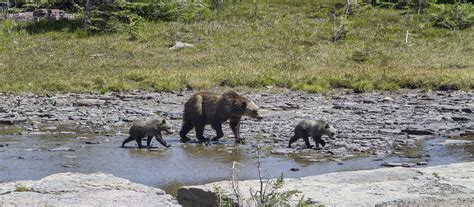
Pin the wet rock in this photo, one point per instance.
(3, 145)
(455, 142)
(421, 163)
(417, 131)
(38, 133)
(467, 110)
(75, 189)
(61, 149)
(12, 121)
(282, 151)
(91, 142)
(392, 164)
(3, 110)
(408, 164)
(461, 118)
(66, 133)
(294, 169)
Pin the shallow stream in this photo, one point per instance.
(36, 155)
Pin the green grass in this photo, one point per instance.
(21, 188)
(288, 45)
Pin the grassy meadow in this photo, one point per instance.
(287, 44)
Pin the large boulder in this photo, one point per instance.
(448, 185)
(76, 189)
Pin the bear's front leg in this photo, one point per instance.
(160, 139)
(306, 142)
(318, 141)
(235, 126)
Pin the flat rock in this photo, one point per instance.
(415, 186)
(89, 102)
(282, 151)
(76, 189)
(61, 149)
(179, 45)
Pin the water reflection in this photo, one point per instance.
(183, 164)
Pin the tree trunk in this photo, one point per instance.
(348, 7)
(88, 14)
(374, 2)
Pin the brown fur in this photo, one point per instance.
(208, 108)
(148, 128)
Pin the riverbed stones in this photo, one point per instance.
(365, 122)
(76, 189)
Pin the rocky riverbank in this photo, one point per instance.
(446, 185)
(370, 123)
(75, 189)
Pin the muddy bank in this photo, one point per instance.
(75, 189)
(446, 185)
(371, 124)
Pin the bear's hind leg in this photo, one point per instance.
(130, 138)
(148, 141)
(200, 132)
(139, 142)
(293, 139)
(219, 132)
(185, 129)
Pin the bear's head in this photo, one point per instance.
(165, 126)
(330, 130)
(246, 107)
(252, 110)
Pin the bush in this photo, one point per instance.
(453, 17)
(168, 10)
(127, 16)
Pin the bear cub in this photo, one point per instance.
(148, 128)
(315, 129)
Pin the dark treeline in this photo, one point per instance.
(67, 4)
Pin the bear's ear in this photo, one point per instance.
(327, 126)
(163, 122)
(240, 105)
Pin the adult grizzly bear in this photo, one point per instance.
(212, 108)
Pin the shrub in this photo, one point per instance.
(453, 17)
